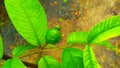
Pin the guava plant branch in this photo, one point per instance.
(29, 54)
(42, 48)
(6, 57)
(59, 48)
(38, 52)
(44, 45)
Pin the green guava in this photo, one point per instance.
(53, 35)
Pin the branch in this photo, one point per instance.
(59, 48)
(6, 57)
(42, 48)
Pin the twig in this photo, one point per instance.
(42, 48)
(6, 57)
(59, 48)
(28, 54)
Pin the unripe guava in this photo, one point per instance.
(53, 35)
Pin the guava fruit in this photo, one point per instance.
(53, 35)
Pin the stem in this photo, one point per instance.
(6, 57)
(42, 48)
(28, 54)
(40, 52)
(59, 48)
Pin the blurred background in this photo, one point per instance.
(71, 15)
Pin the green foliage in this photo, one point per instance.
(106, 29)
(53, 36)
(20, 50)
(48, 62)
(77, 37)
(72, 58)
(1, 47)
(13, 63)
(29, 19)
(89, 58)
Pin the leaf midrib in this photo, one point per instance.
(104, 31)
(90, 56)
(36, 36)
(72, 58)
(46, 62)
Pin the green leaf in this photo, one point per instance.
(20, 50)
(1, 47)
(77, 37)
(106, 29)
(48, 62)
(72, 58)
(107, 44)
(29, 19)
(89, 58)
(13, 63)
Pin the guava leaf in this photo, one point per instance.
(106, 29)
(72, 58)
(107, 44)
(1, 48)
(48, 62)
(89, 58)
(77, 37)
(13, 63)
(29, 19)
(20, 50)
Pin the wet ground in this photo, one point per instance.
(74, 15)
